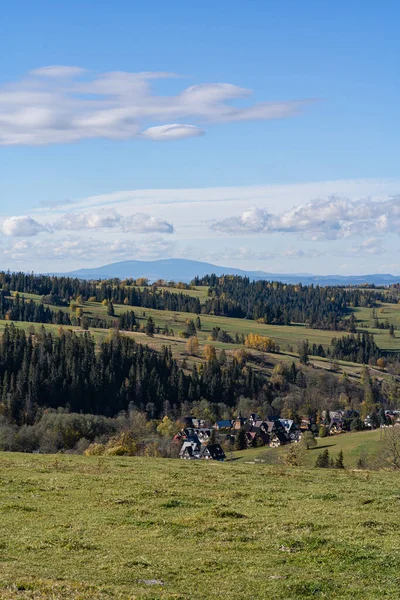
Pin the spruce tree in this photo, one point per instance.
(240, 440)
(323, 460)
(339, 464)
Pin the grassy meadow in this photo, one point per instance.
(351, 444)
(285, 336)
(87, 528)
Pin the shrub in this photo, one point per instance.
(295, 456)
(323, 431)
(95, 450)
(308, 440)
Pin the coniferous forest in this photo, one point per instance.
(41, 370)
(229, 296)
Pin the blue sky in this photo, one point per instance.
(299, 173)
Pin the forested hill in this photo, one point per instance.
(41, 370)
(283, 304)
(229, 296)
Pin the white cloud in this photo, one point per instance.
(82, 221)
(142, 223)
(25, 226)
(172, 132)
(61, 104)
(110, 219)
(22, 226)
(330, 218)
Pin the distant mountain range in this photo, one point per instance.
(179, 269)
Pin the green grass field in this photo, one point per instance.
(351, 444)
(103, 528)
(384, 311)
(285, 336)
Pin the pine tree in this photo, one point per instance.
(339, 464)
(323, 460)
(240, 440)
(304, 351)
(149, 327)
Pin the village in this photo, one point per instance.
(199, 442)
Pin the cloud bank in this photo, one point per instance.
(331, 218)
(26, 226)
(63, 104)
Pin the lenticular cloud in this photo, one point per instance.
(63, 104)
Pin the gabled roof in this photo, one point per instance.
(287, 424)
(281, 435)
(189, 448)
(213, 450)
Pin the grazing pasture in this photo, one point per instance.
(121, 528)
(351, 444)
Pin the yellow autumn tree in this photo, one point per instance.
(260, 342)
(209, 353)
(192, 345)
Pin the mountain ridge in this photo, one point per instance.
(180, 269)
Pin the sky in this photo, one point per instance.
(259, 134)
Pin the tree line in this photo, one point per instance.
(283, 304)
(42, 370)
(19, 309)
(231, 296)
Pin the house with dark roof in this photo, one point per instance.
(190, 450)
(253, 418)
(278, 438)
(291, 429)
(212, 452)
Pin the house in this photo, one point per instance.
(224, 424)
(212, 452)
(253, 418)
(305, 424)
(271, 426)
(201, 434)
(335, 425)
(239, 421)
(278, 438)
(291, 429)
(198, 423)
(190, 450)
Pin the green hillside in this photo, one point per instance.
(351, 444)
(124, 528)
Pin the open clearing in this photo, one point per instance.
(86, 527)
